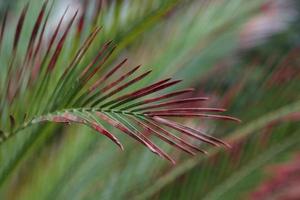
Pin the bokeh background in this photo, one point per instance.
(243, 55)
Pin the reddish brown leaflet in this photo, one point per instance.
(160, 98)
(83, 94)
(60, 44)
(171, 103)
(20, 27)
(71, 118)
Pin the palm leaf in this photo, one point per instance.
(119, 99)
(26, 83)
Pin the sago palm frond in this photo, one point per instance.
(47, 82)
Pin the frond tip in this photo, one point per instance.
(142, 119)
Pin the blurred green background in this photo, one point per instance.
(244, 55)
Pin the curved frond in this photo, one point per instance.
(42, 85)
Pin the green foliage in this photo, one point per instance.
(82, 80)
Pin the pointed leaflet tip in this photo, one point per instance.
(133, 95)
(186, 146)
(3, 25)
(91, 69)
(120, 79)
(184, 110)
(160, 152)
(100, 65)
(96, 12)
(163, 137)
(142, 92)
(183, 129)
(19, 27)
(82, 50)
(70, 117)
(55, 33)
(170, 103)
(189, 114)
(60, 44)
(125, 130)
(41, 36)
(159, 98)
(107, 76)
(35, 30)
(81, 20)
(103, 131)
(12, 122)
(119, 89)
(198, 132)
(108, 87)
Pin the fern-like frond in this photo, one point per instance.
(43, 84)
